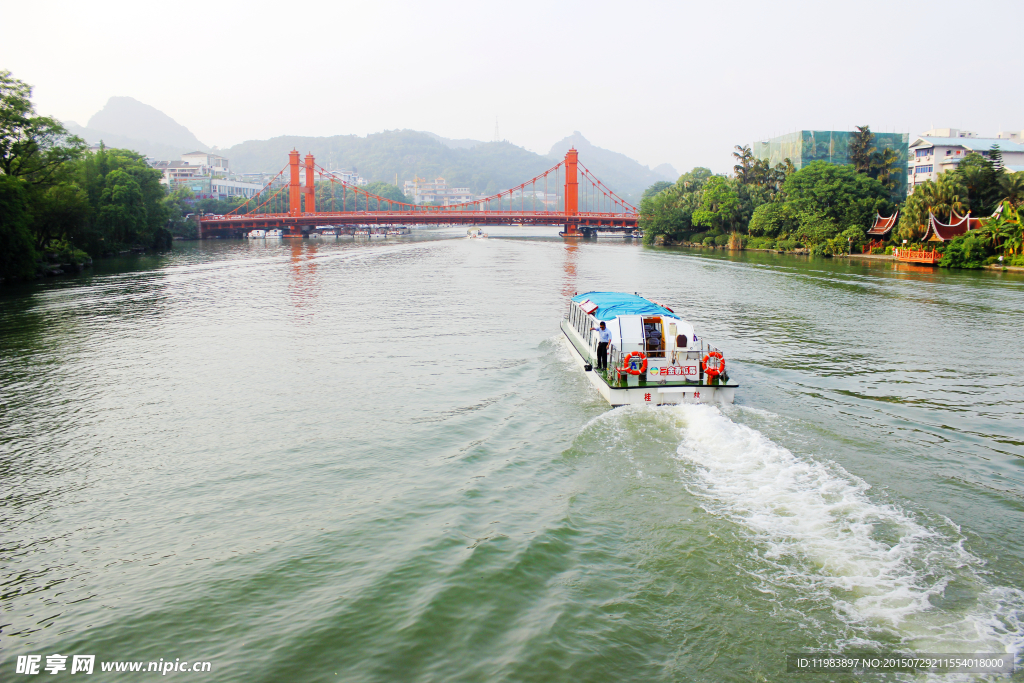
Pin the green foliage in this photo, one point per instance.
(837, 193)
(718, 206)
(855, 236)
(981, 178)
(771, 219)
(387, 191)
(122, 213)
(33, 148)
(965, 251)
(670, 211)
(862, 149)
(61, 213)
(655, 189)
(816, 227)
(787, 245)
(760, 243)
(721, 240)
(17, 255)
(128, 205)
(62, 251)
(878, 250)
(1012, 187)
(754, 172)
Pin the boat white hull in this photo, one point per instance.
(652, 394)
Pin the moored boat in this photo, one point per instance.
(257, 234)
(275, 233)
(654, 358)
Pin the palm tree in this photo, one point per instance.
(883, 164)
(746, 160)
(1012, 185)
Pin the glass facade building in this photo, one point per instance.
(833, 146)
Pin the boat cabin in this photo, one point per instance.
(637, 325)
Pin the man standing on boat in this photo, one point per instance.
(604, 335)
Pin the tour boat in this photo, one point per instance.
(655, 357)
(362, 232)
(277, 232)
(328, 233)
(257, 234)
(637, 234)
(476, 233)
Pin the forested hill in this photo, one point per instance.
(485, 167)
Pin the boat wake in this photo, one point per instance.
(818, 539)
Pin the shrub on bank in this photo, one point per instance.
(760, 243)
(964, 251)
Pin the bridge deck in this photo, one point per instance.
(231, 225)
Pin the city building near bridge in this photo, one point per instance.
(175, 172)
(437, 192)
(207, 161)
(833, 146)
(224, 189)
(942, 149)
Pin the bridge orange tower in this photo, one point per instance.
(594, 208)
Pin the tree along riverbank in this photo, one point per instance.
(807, 252)
(827, 208)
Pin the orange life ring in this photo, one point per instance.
(713, 363)
(629, 356)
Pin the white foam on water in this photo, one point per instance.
(815, 532)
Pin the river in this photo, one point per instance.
(340, 460)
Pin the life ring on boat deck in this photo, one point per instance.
(626, 366)
(713, 363)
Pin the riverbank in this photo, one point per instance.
(805, 252)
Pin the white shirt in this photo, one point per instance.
(604, 335)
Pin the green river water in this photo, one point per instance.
(353, 461)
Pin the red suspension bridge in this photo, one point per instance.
(285, 203)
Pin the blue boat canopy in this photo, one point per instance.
(613, 304)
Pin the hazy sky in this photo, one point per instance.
(677, 82)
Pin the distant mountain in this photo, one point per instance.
(667, 172)
(127, 123)
(626, 177)
(485, 167)
(463, 143)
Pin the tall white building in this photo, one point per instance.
(942, 149)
